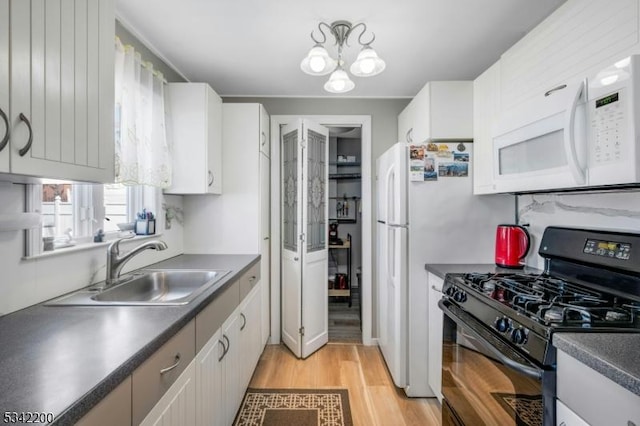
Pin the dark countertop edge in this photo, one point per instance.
(582, 353)
(83, 405)
(441, 269)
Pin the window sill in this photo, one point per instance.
(85, 246)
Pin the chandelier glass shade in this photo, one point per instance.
(339, 82)
(318, 61)
(367, 64)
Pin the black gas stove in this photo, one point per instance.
(591, 283)
(556, 302)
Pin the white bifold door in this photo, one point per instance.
(304, 213)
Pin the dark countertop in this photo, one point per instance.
(441, 269)
(65, 359)
(614, 355)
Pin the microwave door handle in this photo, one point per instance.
(570, 138)
(529, 371)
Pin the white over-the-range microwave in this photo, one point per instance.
(576, 135)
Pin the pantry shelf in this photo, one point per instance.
(345, 164)
(342, 292)
(339, 176)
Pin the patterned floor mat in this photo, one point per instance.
(300, 407)
(526, 408)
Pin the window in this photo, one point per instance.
(72, 214)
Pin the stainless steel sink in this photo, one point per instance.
(149, 288)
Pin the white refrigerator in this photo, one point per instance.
(425, 215)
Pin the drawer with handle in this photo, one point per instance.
(248, 280)
(156, 375)
(211, 318)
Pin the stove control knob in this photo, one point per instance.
(519, 336)
(460, 296)
(502, 324)
(450, 291)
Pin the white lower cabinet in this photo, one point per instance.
(210, 393)
(177, 407)
(232, 367)
(250, 334)
(566, 417)
(592, 397)
(225, 364)
(210, 390)
(435, 335)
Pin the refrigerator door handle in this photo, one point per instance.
(391, 253)
(397, 225)
(387, 188)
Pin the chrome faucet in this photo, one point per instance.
(115, 261)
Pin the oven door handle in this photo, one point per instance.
(467, 323)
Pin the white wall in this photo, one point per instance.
(27, 282)
(606, 210)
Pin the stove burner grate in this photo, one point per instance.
(554, 302)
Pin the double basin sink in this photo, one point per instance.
(147, 287)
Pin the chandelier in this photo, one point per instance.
(318, 61)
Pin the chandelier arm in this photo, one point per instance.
(364, 30)
(324, 36)
(347, 34)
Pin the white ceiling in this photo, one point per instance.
(254, 47)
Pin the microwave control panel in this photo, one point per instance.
(608, 127)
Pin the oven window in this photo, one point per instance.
(480, 390)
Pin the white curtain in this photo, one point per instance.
(142, 155)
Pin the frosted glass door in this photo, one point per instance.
(304, 210)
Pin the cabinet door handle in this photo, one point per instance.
(264, 138)
(252, 278)
(224, 350)
(265, 238)
(555, 89)
(27, 147)
(244, 323)
(171, 367)
(433, 287)
(296, 259)
(210, 178)
(5, 139)
(224, 336)
(408, 135)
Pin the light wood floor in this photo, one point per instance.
(373, 398)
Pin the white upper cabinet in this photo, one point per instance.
(265, 144)
(578, 39)
(195, 116)
(441, 110)
(405, 123)
(486, 109)
(4, 85)
(60, 65)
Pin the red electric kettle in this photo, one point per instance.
(512, 245)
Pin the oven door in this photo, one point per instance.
(486, 382)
